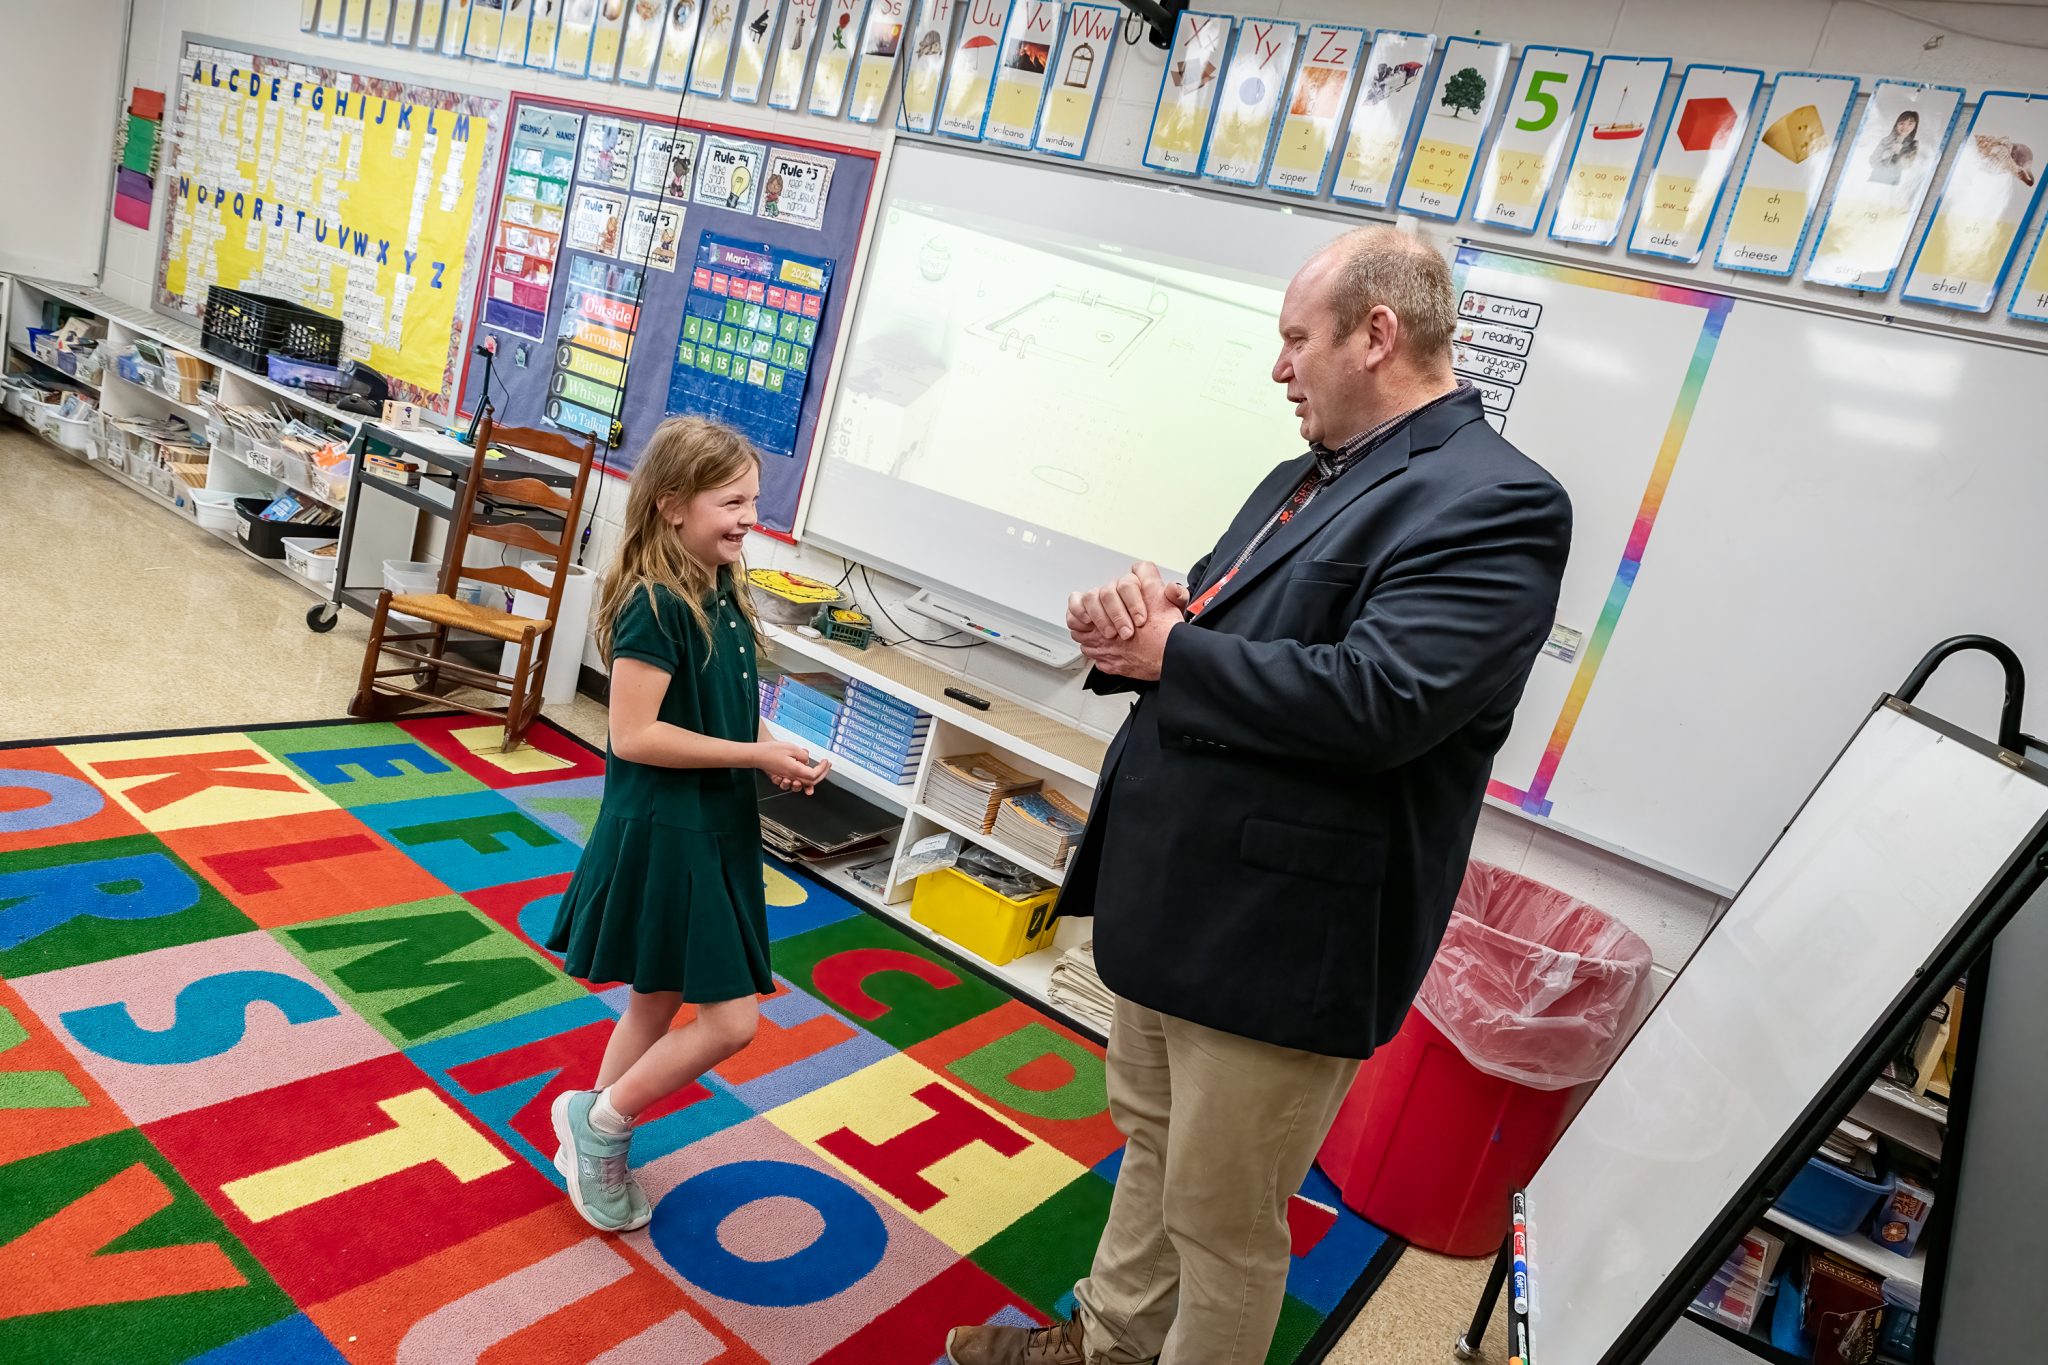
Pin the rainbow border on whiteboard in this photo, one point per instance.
(1535, 799)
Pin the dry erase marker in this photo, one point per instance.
(1521, 1252)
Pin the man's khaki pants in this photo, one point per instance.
(1220, 1130)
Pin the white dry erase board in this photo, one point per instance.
(1910, 849)
(1002, 427)
(1775, 512)
(53, 221)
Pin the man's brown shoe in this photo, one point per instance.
(1059, 1344)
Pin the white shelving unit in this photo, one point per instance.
(1065, 758)
(387, 530)
(1864, 1252)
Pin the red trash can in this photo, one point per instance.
(1529, 999)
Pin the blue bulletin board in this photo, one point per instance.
(611, 231)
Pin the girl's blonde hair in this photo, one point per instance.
(685, 456)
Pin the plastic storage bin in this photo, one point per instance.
(215, 509)
(982, 920)
(72, 433)
(1830, 1198)
(264, 539)
(413, 576)
(299, 554)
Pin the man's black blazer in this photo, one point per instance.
(1283, 821)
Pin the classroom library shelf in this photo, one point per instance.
(1864, 1252)
(386, 531)
(1063, 756)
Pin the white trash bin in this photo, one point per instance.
(572, 624)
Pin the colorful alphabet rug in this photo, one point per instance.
(277, 1048)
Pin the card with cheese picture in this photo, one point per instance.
(1788, 165)
(1993, 184)
(1707, 125)
(1187, 93)
(1248, 108)
(924, 71)
(1886, 173)
(1390, 87)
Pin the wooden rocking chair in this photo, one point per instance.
(504, 510)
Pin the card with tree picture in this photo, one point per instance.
(1454, 122)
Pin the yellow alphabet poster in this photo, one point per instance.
(356, 197)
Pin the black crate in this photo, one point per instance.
(265, 539)
(247, 329)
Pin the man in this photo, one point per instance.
(1283, 822)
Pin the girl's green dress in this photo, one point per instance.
(668, 894)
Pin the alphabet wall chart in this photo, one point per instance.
(355, 196)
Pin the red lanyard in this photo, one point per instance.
(1308, 489)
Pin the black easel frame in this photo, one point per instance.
(1969, 943)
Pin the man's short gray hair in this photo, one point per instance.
(1383, 265)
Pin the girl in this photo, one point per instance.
(667, 896)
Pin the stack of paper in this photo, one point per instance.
(1042, 825)
(970, 787)
(1076, 988)
(1852, 1147)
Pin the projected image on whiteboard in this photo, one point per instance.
(1065, 385)
(1051, 374)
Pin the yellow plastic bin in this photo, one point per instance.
(982, 920)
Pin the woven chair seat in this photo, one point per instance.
(444, 610)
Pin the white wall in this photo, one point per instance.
(1776, 35)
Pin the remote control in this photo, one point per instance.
(966, 698)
